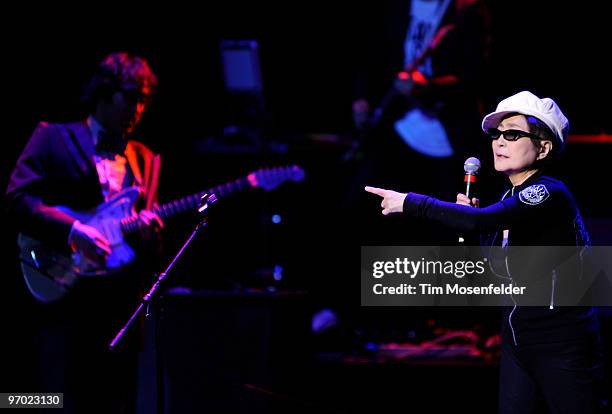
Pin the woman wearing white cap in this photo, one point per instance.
(551, 355)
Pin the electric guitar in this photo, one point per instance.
(49, 275)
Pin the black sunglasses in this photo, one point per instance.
(510, 134)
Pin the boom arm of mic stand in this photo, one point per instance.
(206, 201)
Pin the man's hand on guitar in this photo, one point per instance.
(149, 224)
(90, 242)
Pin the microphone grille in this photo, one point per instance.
(471, 165)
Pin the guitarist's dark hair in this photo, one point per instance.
(119, 71)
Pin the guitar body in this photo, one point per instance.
(49, 274)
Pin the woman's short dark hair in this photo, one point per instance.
(542, 130)
(120, 71)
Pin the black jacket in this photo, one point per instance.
(539, 212)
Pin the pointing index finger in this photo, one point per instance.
(376, 190)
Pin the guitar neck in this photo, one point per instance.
(188, 203)
(192, 202)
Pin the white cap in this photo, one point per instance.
(526, 103)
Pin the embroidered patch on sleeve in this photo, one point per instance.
(534, 194)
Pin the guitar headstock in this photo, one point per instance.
(270, 178)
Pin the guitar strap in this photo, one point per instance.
(145, 175)
(151, 198)
(132, 158)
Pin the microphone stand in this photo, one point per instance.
(206, 201)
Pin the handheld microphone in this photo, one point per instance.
(471, 168)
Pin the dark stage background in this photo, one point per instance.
(311, 53)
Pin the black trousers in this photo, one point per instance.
(560, 377)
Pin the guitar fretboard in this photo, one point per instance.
(189, 203)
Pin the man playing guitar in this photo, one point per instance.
(82, 165)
